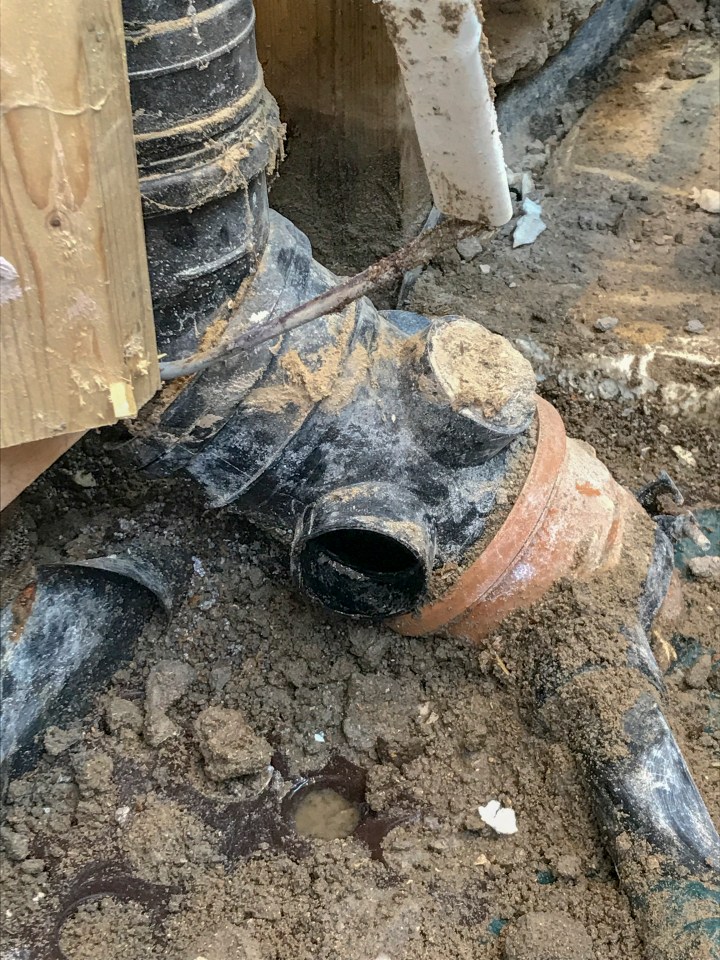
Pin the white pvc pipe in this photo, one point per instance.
(438, 48)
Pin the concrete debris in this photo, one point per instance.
(230, 747)
(707, 199)
(500, 819)
(166, 683)
(469, 248)
(684, 456)
(530, 225)
(694, 326)
(705, 568)
(605, 324)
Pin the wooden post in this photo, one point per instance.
(76, 334)
(21, 464)
(353, 179)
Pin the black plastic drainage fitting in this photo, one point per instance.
(352, 439)
(358, 439)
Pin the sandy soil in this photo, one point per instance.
(126, 844)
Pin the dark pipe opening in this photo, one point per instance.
(365, 550)
(374, 554)
(362, 573)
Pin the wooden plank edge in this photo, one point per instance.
(24, 462)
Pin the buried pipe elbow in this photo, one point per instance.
(365, 550)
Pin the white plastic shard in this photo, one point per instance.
(438, 46)
(500, 819)
(530, 225)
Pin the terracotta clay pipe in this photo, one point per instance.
(573, 522)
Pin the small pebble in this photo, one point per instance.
(17, 846)
(694, 326)
(684, 456)
(605, 324)
(662, 14)
(705, 568)
(608, 389)
(469, 248)
(699, 673)
(688, 69)
(707, 199)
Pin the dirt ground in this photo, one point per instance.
(159, 826)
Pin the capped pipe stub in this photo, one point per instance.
(480, 375)
(365, 550)
(479, 386)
